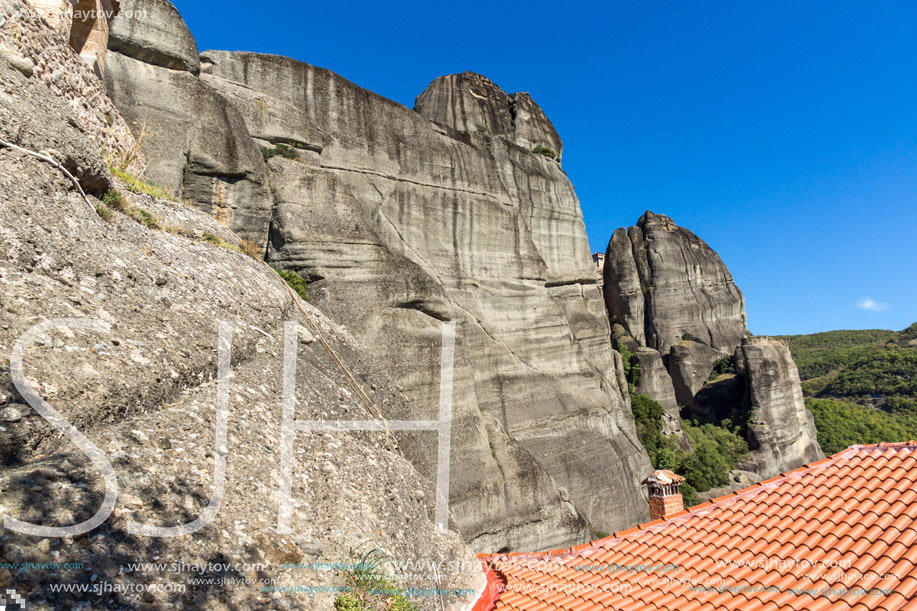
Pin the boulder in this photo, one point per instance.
(153, 32)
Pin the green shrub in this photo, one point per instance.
(296, 282)
(368, 586)
(137, 185)
(281, 150)
(727, 364)
(705, 468)
(105, 212)
(400, 603)
(841, 424)
(349, 602)
(144, 217)
(666, 458)
(873, 367)
(648, 420)
(212, 238)
(545, 151)
(689, 495)
(114, 200)
(631, 365)
(717, 449)
(365, 570)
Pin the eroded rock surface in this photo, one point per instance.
(690, 364)
(656, 382)
(472, 104)
(196, 142)
(663, 282)
(781, 431)
(401, 223)
(160, 37)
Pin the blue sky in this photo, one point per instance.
(782, 133)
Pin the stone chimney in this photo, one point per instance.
(665, 499)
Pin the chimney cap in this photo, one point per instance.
(663, 477)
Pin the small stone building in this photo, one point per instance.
(84, 22)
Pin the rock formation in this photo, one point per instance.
(36, 50)
(656, 382)
(143, 391)
(781, 431)
(196, 142)
(441, 223)
(401, 219)
(663, 283)
(675, 306)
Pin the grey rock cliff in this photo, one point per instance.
(781, 430)
(159, 37)
(655, 381)
(472, 104)
(145, 394)
(690, 364)
(402, 219)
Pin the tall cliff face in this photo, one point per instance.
(402, 219)
(400, 223)
(672, 300)
(196, 143)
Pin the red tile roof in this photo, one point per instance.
(835, 535)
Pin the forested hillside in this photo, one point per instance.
(861, 385)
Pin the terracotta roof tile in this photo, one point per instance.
(825, 537)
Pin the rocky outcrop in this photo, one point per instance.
(672, 301)
(195, 141)
(402, 219)
(665, 284)
(472, 104)
(159, 37)
(41, 53)
(781, 431)
(142, 388)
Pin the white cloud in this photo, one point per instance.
(871, 305)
